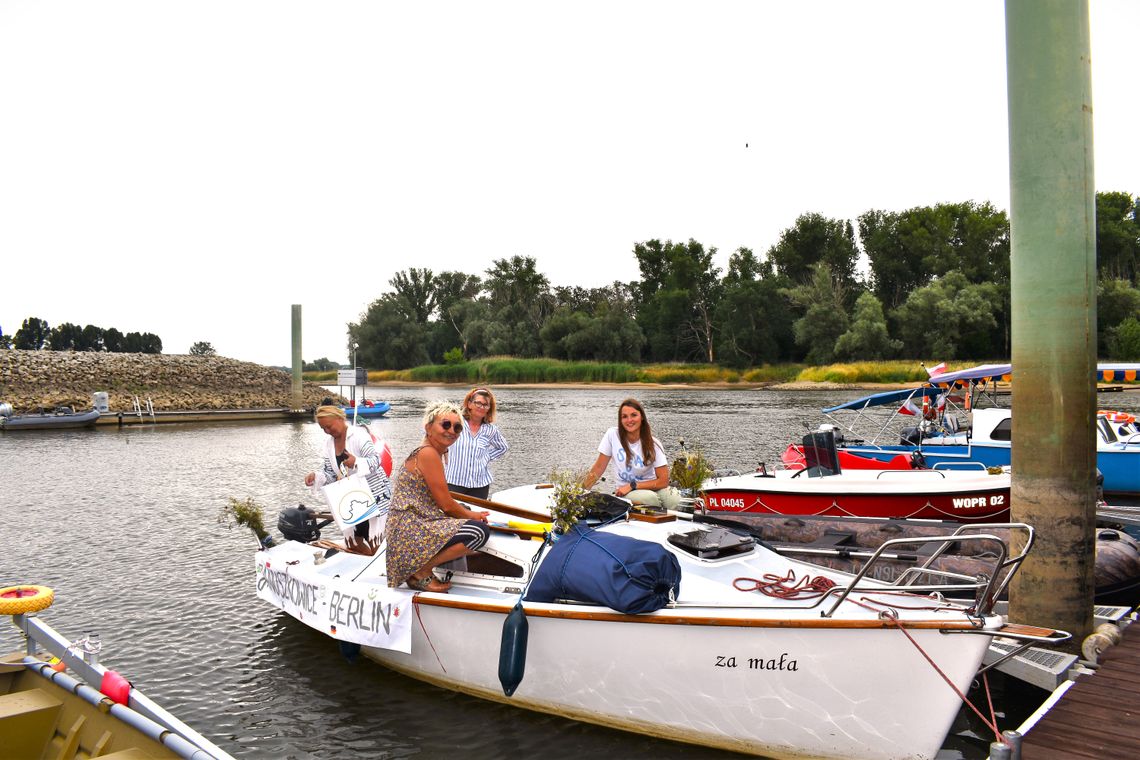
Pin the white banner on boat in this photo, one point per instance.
(363, 613)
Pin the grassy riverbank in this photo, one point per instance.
(508, 371)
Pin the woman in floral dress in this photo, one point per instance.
(426, 527)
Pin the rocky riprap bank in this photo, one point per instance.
(33, 379)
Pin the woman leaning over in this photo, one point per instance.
(426, 527)
(643, 479)
(469, 460)
(350, 450)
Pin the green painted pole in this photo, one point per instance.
(297, 398)
(1053, 294)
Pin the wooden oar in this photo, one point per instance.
(506, 509)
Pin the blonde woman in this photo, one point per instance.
(469, 460)
(426, 527)
(349, 450)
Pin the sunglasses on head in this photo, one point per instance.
(448, 425)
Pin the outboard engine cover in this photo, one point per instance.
(298, 524)
(909, 436)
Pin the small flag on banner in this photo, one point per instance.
(937, 369)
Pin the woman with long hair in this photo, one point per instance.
(469, 459)
(639, 460)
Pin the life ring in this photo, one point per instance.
(385, 452)
(17, 600)
(1118, 417)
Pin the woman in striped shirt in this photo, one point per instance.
(469, 458)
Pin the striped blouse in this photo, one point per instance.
(470, 457)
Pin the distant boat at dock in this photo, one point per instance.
(61, 417)
(368, 409)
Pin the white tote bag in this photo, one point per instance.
(357, 498)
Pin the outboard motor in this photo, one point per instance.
(835, 430)
(910, 436)
(299, 524)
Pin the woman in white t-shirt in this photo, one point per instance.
(641, 479)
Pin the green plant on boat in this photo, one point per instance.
(246, 513)
(568, 502)
(690, 469)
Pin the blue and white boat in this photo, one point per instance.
(950, 429)
(368, 409)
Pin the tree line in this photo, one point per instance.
(936, 284)
(35, 334)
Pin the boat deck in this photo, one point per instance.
(1096, 717)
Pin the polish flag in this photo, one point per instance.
(910, 408)
(937, 369)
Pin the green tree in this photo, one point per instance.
(455, 298)
(33, 334)
(867, 337)
(5, 340)
(950, 318)
(417, 288)
(1116, 301)
(65, 337)
(142, 343)
(386, 337)
(1118, 236)
(1124, 340)
(608, 334)
(753, 318)
(521, 302)
(92, 339)
(462, 325)
(824, 318)
(202, 348)
(815, 239)
(324, 364)
(908, 249)
(112, 340)
(676, 299)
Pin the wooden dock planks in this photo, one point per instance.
(1098, 716)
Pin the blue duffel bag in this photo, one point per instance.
(624, 574)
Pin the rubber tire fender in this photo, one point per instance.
(17, 600)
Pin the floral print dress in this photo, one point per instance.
(417, 528)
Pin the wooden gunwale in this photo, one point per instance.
(703, 620)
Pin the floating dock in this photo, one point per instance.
(1094, 716)
(121, 419)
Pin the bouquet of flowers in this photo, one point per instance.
(690, 470)
(247, 513)
(568, 502)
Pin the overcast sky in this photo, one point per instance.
(192, 169)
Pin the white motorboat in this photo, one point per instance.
(838, 668)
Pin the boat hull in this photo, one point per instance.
(1120, 466)
(50, 421)
(908, 494)
(779, 691)
(378, 409)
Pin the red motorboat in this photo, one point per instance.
(823, 487)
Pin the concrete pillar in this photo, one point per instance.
(297, 396)
(1053, 325)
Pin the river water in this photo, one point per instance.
(122, 523)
